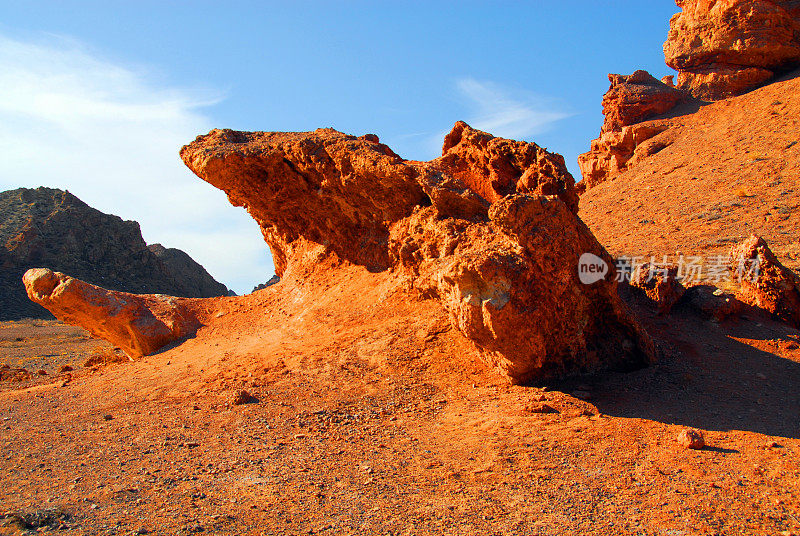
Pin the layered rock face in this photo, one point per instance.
(626, 136)
(51, 228)
(139, 324)
(489, 229)
(723, 48)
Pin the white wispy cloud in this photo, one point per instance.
(110, 134)
(498, 110)
(506, 113)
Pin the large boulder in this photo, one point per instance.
(629, 132)
(764, 281)
(489, 229)
(723, 48)
(139, 324)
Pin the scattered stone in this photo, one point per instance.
(41, 372)
(691, 438)
(660, 285)
(39, 519)
(14, 374)
(107, 417)
(241, 396)
(712, 303)
(65, 368)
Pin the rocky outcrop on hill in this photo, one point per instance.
(489, 229)
(274, 280)
(723, 48)
(51, 228)
(188, 272)
(732, 169)
(626, 136)
(764, 281)
(139, 324)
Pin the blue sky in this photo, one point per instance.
(98, 97)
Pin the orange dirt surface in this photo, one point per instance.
(371, 415)
(732, 169)
(45, 345)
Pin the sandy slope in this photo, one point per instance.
(733, 169)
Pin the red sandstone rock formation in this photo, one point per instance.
(489, 229)
(139, 324)
(723, 48)
(660, 285)
(625, 138)
(764, 281)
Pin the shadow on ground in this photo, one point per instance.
(708, 379)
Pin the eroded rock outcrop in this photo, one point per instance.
(489, 229)
(723, 48)
(627, 136)
(139, 324)
(764, 281)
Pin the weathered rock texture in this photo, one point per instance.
(55, 229)
(659, 284)
(489, 229)
(139, 324)
(627, 136)
(764, 281)
(723, 48)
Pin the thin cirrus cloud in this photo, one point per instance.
(110, 134)
(503, 112)
(506, 113)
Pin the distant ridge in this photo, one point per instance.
(51, 228)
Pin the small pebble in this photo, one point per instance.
(240, 397)
(691, 438)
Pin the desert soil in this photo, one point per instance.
(732, 170)
(372, 416)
